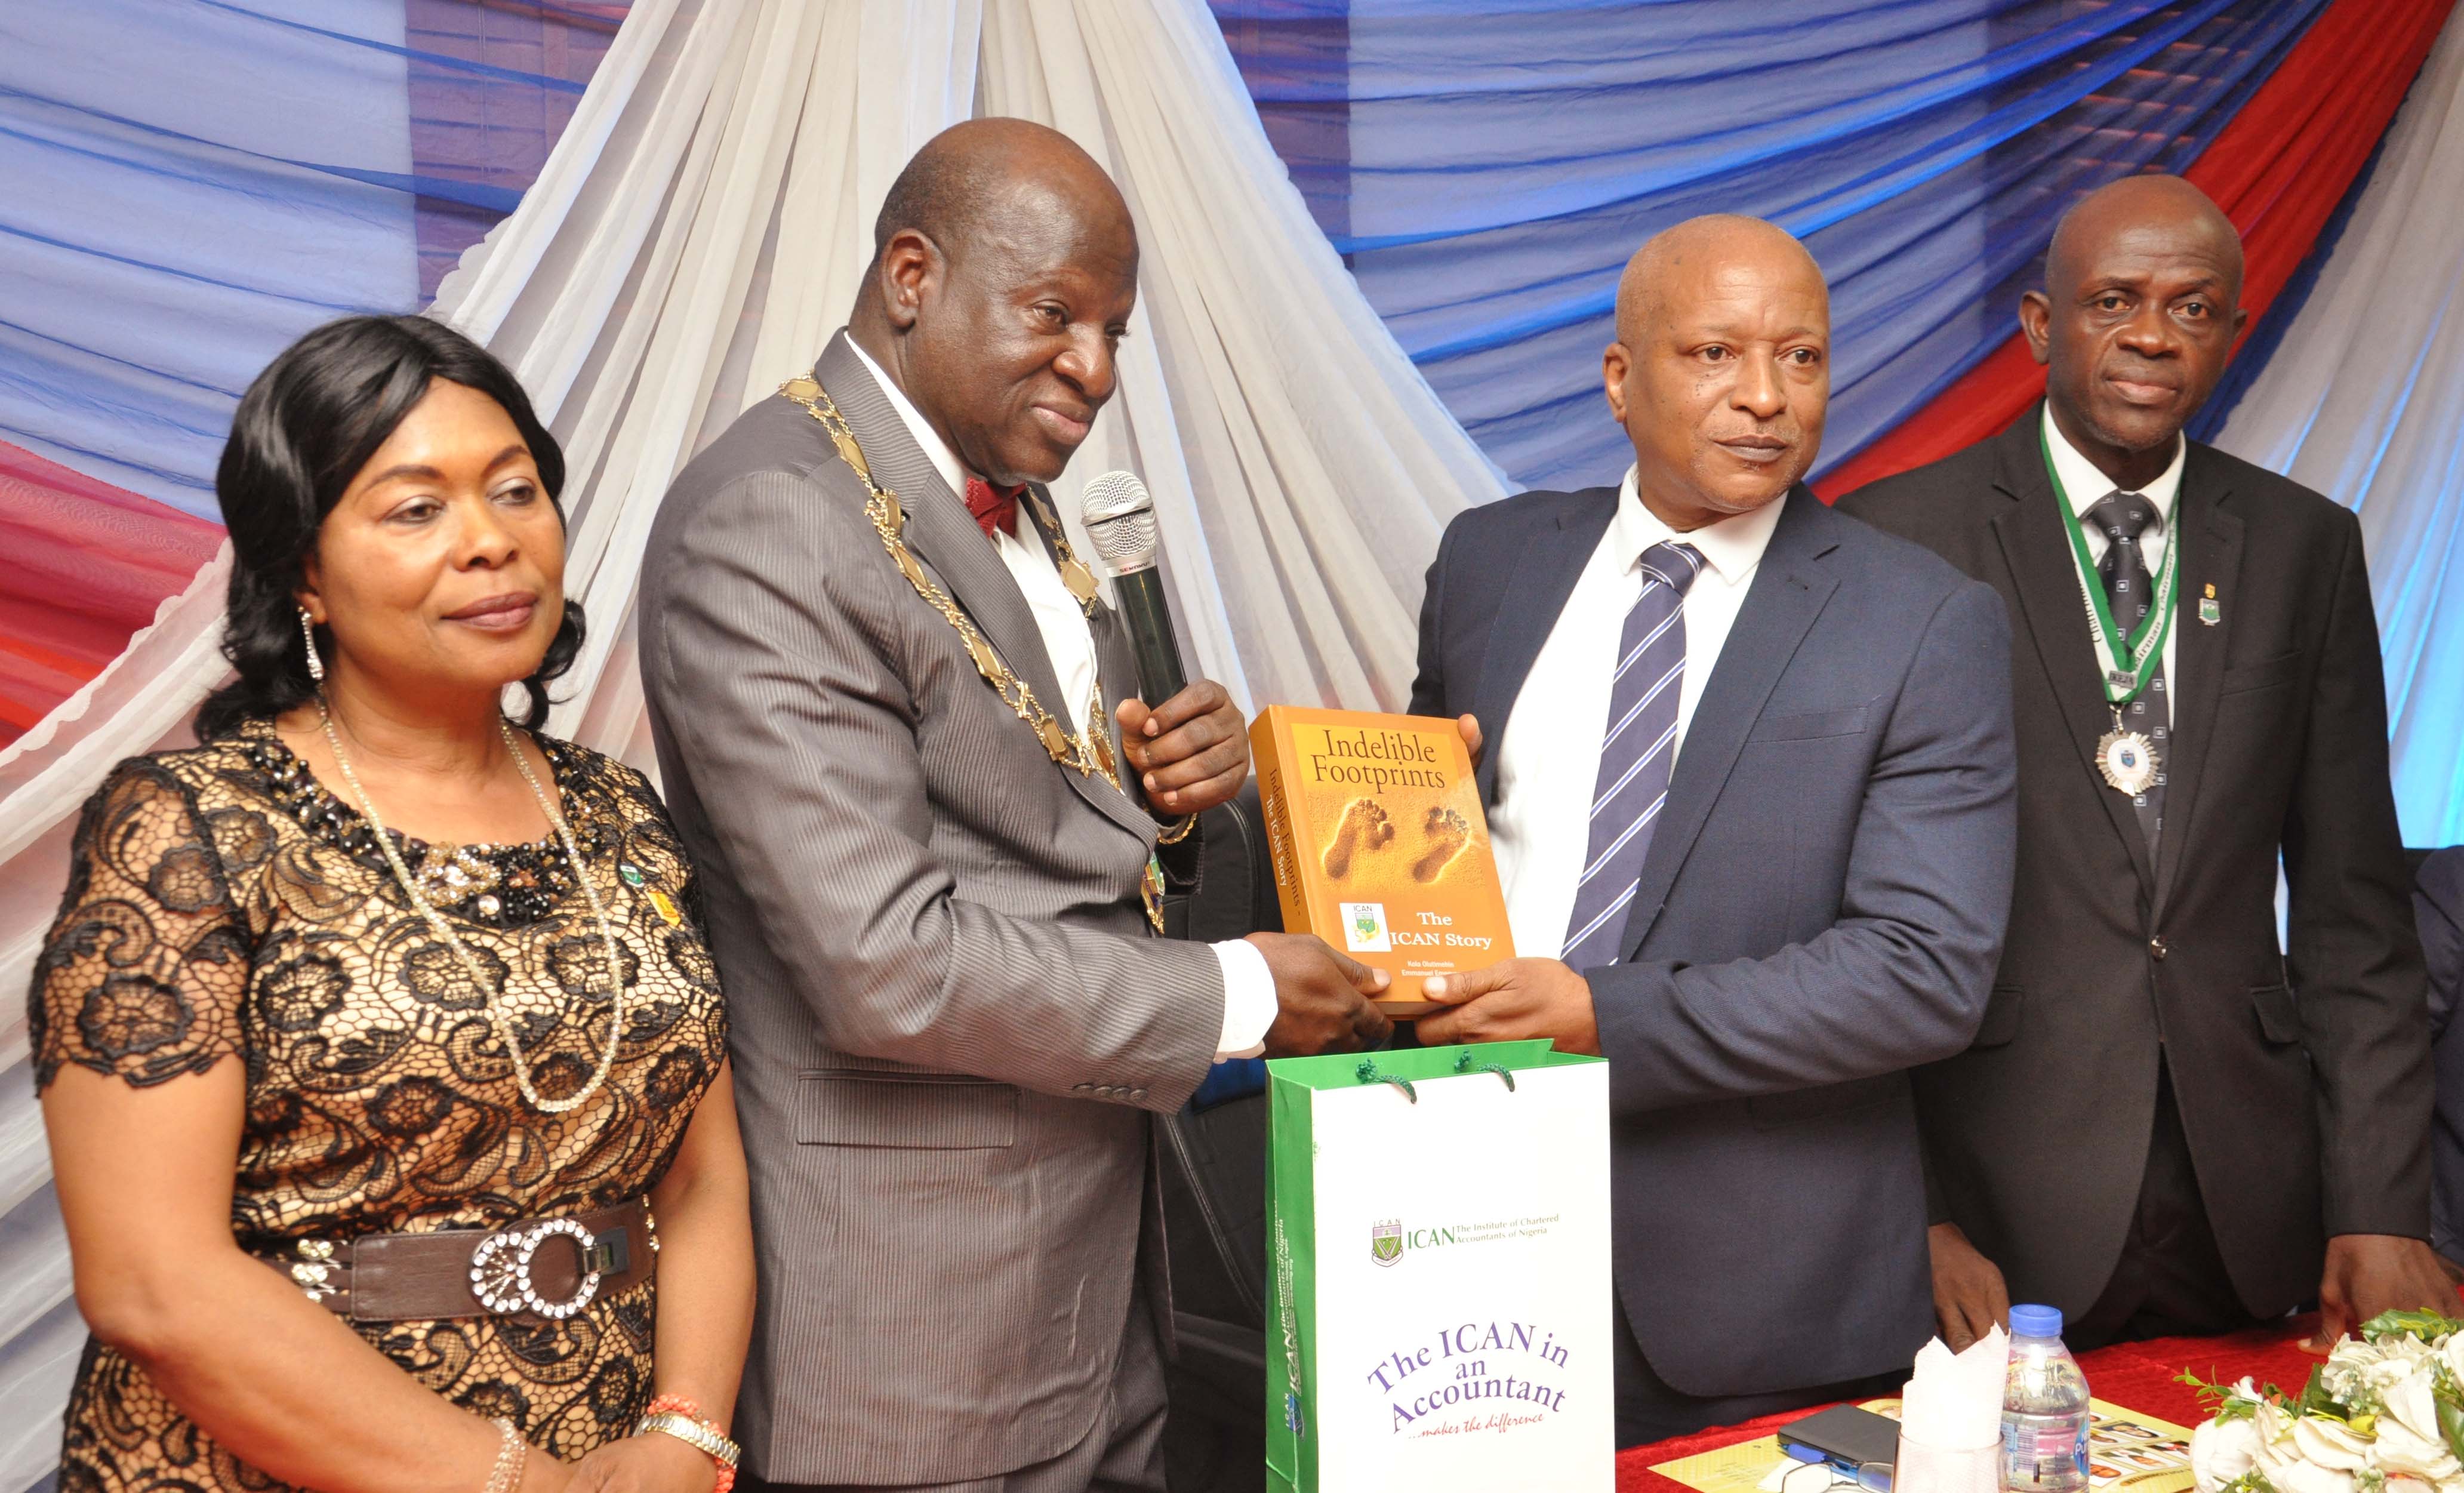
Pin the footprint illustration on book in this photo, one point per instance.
(1364, 827)
(1445, 833)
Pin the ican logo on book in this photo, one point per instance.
(1364, 927)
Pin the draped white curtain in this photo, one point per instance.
(698, 233)
(2364, 400)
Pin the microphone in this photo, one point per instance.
(1121, 524)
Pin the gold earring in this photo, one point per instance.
(308, 634)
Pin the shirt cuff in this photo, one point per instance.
(1249, 1004)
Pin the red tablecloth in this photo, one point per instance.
(2138, 1376)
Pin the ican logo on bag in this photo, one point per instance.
(1364, 927)
(1386, 1242)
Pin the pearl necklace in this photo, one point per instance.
(497, 1016)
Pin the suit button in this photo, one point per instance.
(2156, 946)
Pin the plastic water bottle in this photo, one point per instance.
(2044, 1408)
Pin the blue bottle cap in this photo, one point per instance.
(2036, 1322)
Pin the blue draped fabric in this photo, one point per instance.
(191, 184)
(1488, 169)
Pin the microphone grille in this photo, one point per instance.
(1120, 522)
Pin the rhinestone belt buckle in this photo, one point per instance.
(501, 1269)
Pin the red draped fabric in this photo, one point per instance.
(82, 565)
(2279, 170)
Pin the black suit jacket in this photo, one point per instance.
(2302, 1075)
(2439, 912)
(1820, 910)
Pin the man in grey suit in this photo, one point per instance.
(883, 692)
(1751, 787)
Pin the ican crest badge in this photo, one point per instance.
(1386, 1242)
(1364, 927)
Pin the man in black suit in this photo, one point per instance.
(1763, 937)
(2165, 1125)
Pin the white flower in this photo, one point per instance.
(2330, 1443)
(2349, 1348)
(2291, 1450)
(2274, 1426)
(2414, 1405)
(2357, 1371)
(2399, 1451)
(2453, 1352)
(2221, 1451)
(2390, 1371)
(2411, 1349)
(2301, 1477)
(2410, 1439)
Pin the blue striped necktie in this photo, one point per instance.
(1635, 752)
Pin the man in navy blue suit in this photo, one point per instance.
(1749, 781)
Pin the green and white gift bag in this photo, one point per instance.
(1438, 1241)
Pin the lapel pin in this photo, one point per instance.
(2208, 612)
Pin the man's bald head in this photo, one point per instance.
(2138, 205)
(1725, 239)
(968, 178)
(2139, 312)
(1004, 269)
(1720, 373)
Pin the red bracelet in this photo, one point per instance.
(679, 1405)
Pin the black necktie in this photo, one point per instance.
(2123, 518)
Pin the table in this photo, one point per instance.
(2138, 1375)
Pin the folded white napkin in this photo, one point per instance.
(1954, 1402)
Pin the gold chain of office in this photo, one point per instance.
(1090, 751)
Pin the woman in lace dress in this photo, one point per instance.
(378, 1046)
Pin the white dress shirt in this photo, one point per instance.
(1249, 1005)
(1549, 757)
(2085, 485)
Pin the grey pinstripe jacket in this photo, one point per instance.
(947, 1018)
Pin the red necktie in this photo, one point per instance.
(994, 508)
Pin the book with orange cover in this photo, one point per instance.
(1381, 848)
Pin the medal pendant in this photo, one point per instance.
(2128, 760)
(1054, 742)
(850, 453)
(1080, 581)
(1151, 892)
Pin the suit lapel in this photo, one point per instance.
(1789, 592)
(1544, 575)
(947, 539)
(2045, 574)
(2210, 535)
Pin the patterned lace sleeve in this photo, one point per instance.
(145, 970)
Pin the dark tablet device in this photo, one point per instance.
(1846, 1434)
